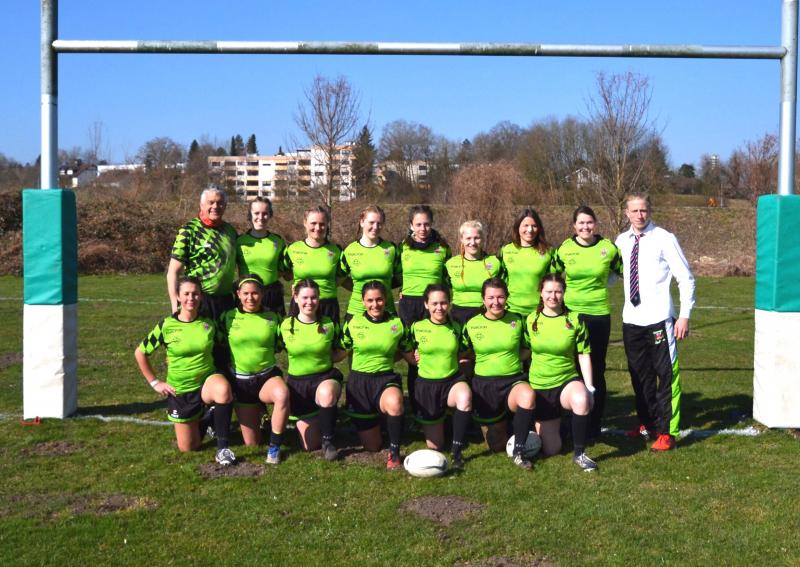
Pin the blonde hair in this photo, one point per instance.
(476, 225)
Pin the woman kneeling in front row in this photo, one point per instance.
(555, 336)
(377, 339)
(192, 380)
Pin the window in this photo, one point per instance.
(252, 163)
(215, 163)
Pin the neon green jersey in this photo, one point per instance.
(496, 344)
(189, 347)
(466, 278)
(309, 345)
(586, 270)
(438, 346)
(252, 339)
(422, 266)
(374, 343)
(365, 264)
(523, 268)
(320, 264)
(208, 254)
(554, 345)
(260, 256)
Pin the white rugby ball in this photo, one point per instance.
(532, 446)
(426, 463)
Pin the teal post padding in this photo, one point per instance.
(49, 247)
(778, 253)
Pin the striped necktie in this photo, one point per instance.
(635, 297)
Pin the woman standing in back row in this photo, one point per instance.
(317, 258)
(587, 260)
(369, 258)
(525, 260)
(467, 272)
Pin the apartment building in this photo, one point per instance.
(286, 175)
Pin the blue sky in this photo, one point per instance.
(702, 106)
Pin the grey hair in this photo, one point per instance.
(214, 189)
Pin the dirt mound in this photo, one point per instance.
(358, 456)
(104, 505)
(242, 470)
(52, 449)
(59, 505)
(441, 509)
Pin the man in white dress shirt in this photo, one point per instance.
(651, 258)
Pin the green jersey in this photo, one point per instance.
(554, 345)
(364, 264)
(523, 268)
(252, 339)
(320, 264)
(309, 345)
(466, 278)
(496, 344)
(189, 346)
(422, 266)
(586, 270)
(260, 256)
(374, 343)
(438, 345)
(208, 254)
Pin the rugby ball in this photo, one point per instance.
(532, 446)
(425, 463)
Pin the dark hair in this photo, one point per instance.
(583, 210)
(497, 283)
(259, 200)
(433, 288)
(246, 279)
(363, 215)
(294, 308)
(540, 242)
(374, 284)
(187, 279)
(558, 278)
(322, 210)
(414, 211)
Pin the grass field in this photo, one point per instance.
(83, 491)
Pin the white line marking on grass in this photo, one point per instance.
(105, 418)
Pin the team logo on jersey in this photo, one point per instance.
(513, 324)
(386, 252)
(323, 329)
(206, 327)
(489, 265)
(423, 340)
(658, 336)
(479, 336)
(355, 261)
(604, 252)
(330, 253)
(394, 328)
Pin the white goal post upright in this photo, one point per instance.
(50, 348)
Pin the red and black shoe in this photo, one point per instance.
(642, 432)
(663, 443)
(393, 462)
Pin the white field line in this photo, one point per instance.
(749, 431)
(96, 299)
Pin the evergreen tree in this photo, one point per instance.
(220, 151)
(251, 144)
(193, 148)
(237, 145)
(363, 159)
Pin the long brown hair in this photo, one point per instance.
(323, 210)
(294, 308)
(540, 242)
(363, 215)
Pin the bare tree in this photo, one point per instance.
(329, 117)
(621, 128)
(98, 147)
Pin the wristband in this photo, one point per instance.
(154, 382)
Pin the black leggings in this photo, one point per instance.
(599, 328)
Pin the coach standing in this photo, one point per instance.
(651, 257)
(205, 248)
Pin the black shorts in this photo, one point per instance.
(327, 308)
(548, 401)
(364, 390)
(463, 314)
(431, 398)
(303, 392)
(247, 388)
(411, 309)
(490, 396)
(273, 298)
(184, 408)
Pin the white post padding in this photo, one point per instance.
(48, 360)
(776, 382)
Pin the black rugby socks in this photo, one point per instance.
(394, 426)
(522, 426)
(222, 424)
